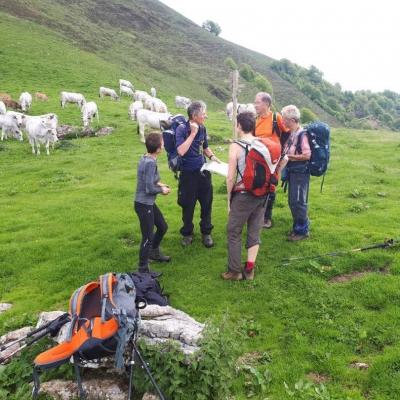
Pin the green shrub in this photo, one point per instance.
(307, 115)
(230, 63)
(204, 375)
(263, 83)
(246, 72)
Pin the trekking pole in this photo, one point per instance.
(148, 372)
(53, 327)
(383, 245)
(54, 322)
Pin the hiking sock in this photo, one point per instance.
(249, 266)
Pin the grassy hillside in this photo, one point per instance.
(68, 217)
(155, 46)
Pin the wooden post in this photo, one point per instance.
(235, 84)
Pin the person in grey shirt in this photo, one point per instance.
(147, 188)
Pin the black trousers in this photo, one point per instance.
(193, 187)
(149, 216)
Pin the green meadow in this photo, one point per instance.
(68, 217)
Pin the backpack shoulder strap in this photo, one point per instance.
(106, 290)
(275, 126)
(299, 140)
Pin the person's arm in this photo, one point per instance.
(305, 151)
(232, 168)
(183, 145)
(149, 174)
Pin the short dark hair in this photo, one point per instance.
(153, 142)
(195, 108)
(247, 122)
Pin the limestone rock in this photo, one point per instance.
(96, 389)
(104, 131)
(11, 337)
(4, 307)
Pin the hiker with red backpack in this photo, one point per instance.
(269, 125)
(252, 163)
(297, 155)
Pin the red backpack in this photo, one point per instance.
(262, 158)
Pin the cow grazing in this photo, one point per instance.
(69, 97)
(182, 102)
(41, 96)
(40, 131)
(141, 95)
(12, 104)
(123, 82)
(126, 90)
(159, 106)
(103, 91)
(5, 96)
(9, 124)
(3, 108)
(134, 108)
(89, 111)
(149, 118)
(249, 107)
(153, 92)
(25, 100)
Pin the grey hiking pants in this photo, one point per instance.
(245, 209)
(298, 187)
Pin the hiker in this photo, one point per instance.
(298, 152)
(148, 186)
(269, 125)
(194, 185)
(243, 207)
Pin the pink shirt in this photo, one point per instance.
(290, 148)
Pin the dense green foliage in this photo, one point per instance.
(360, 109)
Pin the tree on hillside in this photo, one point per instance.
(211, 27)
(230, 63)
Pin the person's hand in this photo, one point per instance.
(165, 190)
(194, 128)
(215, 158)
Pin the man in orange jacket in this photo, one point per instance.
(269, 125)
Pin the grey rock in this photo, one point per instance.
(11, 337)
(104, 131)
(4, 307)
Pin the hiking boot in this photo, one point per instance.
(187, 240)
(207, 241)
(267, 224)
(295, 237)
(157, 255)
(232, 276)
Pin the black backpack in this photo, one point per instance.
(148, 288)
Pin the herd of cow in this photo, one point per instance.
(146, 109)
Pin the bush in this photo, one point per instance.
(246, 72)
(230, 63)
(263, 83)
(205, 375)
(307, 115)
(211, 27)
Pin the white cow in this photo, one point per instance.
(21, 118)
(40, 131)
(159, 106)
(249, 107)
(133, 109)
(123, 82)
(3, 109)
(182, 102)
(229, 110)
(127, 91)
(9, 124)
(103, 91)
(89, 111)
(149, 118)
(141, 95)
(69, 97)
(25, 100)
(153, 92)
